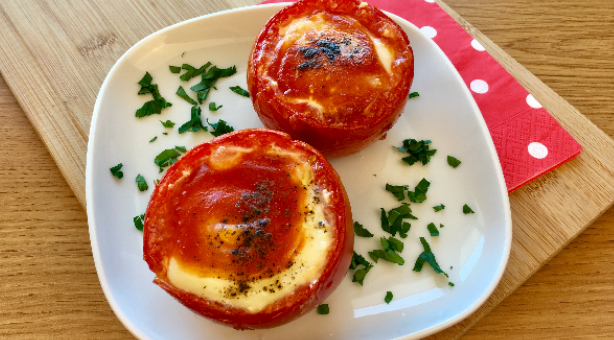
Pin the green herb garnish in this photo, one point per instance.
(397, 190)
(212, 107)
(359, 230)
(202, 95)
(441, 226)
(388, 255)
(427, 256)
(181, 93)
(211, 76)
(153, 139)
(181, 148)
(439, 207)
(154, 106)
(195, 123)
(192, 71)
(450, 284)
(360, 274)
(139, 222)
(395, 244)
(404, 229)
(417, 150)
(453, 162)
(433, 229)
(141, 183)
(419, 193)
(115, 171)
(467, 210)
(167, 124)
(220, 128)
(165, 133)
(388, 297)
(168, 157)
(174, 69)
(323, 309)
(414, 94)
(239, 90)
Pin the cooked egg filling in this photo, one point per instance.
(307, 267)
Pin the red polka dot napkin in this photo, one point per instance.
(529, 141)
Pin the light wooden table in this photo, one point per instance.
(48, 283)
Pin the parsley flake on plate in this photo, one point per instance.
(359, 230)
(141, 183)
(211, 76)
(238, 90)
(195, 123)
(450, 284)
(360, 274)
(167, 124)
(413, 95)
(168, 157)
(115, 171)
(419, 193)
(397, 190)
(181, 93)
(139, 222)
(388, 253)
(153, 139)
(432, 228)
(174, 69)
(323, 309)
(419, 151)
(467, 210)
(212, 106)
(453, 162)
(404, 229)
(388, 297)
(154, 106)
(220, 128)
(428, 257)
(192, 71)
(439, 207)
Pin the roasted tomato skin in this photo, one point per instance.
(361, 116)
(158, 232)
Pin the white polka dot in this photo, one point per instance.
(428, 31)
(533, 102)
(429, 0)
(479, 86)
(476, 44)
(538, 150)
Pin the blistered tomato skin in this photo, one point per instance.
(240, 210)
(332, 73)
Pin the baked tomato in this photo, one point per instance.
(251, 229)
(332, 73)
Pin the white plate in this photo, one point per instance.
(476, 246)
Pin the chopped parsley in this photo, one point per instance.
(428, 257)
(419, 151)
(404, 229)
(439, 207)
(239, 90)
(397, 190)
(181, 93)
(450, 284)
(388, 297)
(220, 128)
(360, 274)
(154, 106)
(174, 69)
(359, 230)
(181, 148)
(195, 123)
(141, 183)
(168, 157)
(167, 124)
(115, 171)
(165, 133)
(202, 95)
(192, 71)
(414, 94)
(211, 76)
(453, 162)
(390, 245)
(467, 210)
(392, 221)
(441, 225)
(395, 244)
(419, 193)
(139, 222)
(323, 309)
(212, 107)
(433, 229)
(153, 139)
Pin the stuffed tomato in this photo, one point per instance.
(251, 229)
(333, 73)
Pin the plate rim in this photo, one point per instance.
(111, 299)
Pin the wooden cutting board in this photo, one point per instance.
(54, 56)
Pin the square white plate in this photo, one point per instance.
(472, 248)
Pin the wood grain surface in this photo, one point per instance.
(48, 284)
